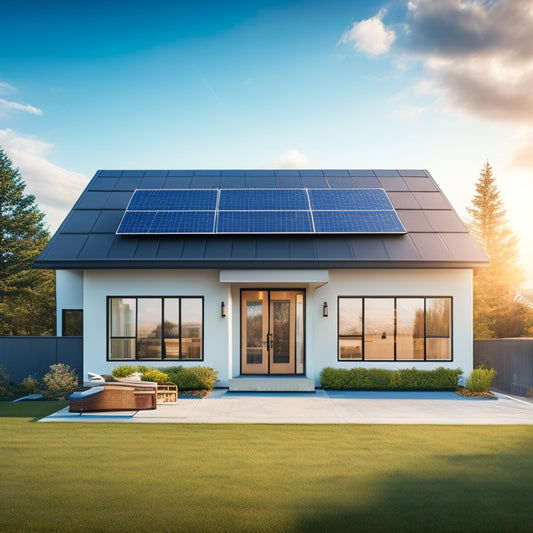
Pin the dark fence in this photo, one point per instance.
(22, 356)
(511, 358)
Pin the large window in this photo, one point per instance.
(169, 328)
(395, 329)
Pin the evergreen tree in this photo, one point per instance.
(494, 286)
(27, 302)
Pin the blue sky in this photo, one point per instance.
(403, 84)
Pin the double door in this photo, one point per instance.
(272, 332)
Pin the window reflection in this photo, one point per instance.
(155, 328)
(384, 329)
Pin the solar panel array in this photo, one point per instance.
(270, 211)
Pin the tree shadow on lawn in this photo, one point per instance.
(479, 494)
(33, 410)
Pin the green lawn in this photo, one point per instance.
(162, 477)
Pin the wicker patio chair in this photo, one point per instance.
(114, 397)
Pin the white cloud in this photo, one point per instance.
(477, 55)
(370, 35)
(409, 113)
(6, 88)
(6, 104)
(55, 188)
(291, 159)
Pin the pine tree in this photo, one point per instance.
(494, 286)
(27, 303)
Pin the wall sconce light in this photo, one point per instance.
(223, 310)
(325, 309)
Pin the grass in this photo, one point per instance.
(163, 477)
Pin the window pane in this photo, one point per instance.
(351, 348)
(72, 322)
(410, 328)
(172, 328)
(122, 317)
(149, 328)
(438, 328)
(122, 349)
(191, 328)
(350, 316)
(379, 328)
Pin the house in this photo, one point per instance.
(266, 273)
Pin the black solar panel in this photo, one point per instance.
(264, 222)
(349, 199)
(263, 200)
(357, 222)
(271, 211)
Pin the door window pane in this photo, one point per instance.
(254, 332)
(438, 328)
(281, 331)
(149, 328)
(122, 349)
(379, 328)
(191, 328)
(172, 328)
(410, 328)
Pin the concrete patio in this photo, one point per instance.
(323, 407)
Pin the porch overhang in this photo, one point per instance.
(313, 278)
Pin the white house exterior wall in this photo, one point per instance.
(99, 284)
(222, 335)
(69, 293)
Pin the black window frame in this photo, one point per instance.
(64, 321)
(163, 348)
(395, 359)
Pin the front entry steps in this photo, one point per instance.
(271, 384)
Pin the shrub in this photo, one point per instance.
(123, 371)
(31, 385)
(529, 393)
(381, 379)
(61, 380)
(192, 378)
(153, 374)
(4, 377)
(480, 379)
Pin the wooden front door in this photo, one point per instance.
(272, 337)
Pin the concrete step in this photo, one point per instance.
(271, 384)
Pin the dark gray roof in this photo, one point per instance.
(436, 237)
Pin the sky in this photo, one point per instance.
(442, 85)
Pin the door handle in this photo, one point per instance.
(269, 341)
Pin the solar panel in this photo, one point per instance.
(349, 199)
(271, 211)
(264, 222)
(357, 222)
(173, 200)
(135, 222)
(263, 200)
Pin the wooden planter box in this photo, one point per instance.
(167, 393)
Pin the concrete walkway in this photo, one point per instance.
(323, 407)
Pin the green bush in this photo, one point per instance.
(31, 385)
(61, 380)
(480, 379)
(123, 371)
(192, 378)
(153, 374)
(381, 379)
